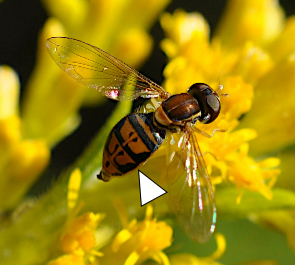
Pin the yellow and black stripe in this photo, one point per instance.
(130, 143)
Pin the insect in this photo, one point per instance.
(138, 135)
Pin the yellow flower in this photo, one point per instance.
(246, 173)
(9, 89)
(140, 241)
(72, 259)
(189, 259)
(257, 21)
(78, 241)
(238, 61)
(21, 159)
(271, 33)
(79, 234)
(80, 238)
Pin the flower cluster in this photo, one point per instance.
(78, 239)
(240, 64)
(135, 243)
(140, 241)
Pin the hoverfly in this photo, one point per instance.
(138, 135)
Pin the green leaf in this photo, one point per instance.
(252, 202)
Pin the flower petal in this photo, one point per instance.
(249, 20)
(273, 110)
(9, 92)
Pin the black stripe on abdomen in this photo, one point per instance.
(134, 141)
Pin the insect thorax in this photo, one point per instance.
(176, 111)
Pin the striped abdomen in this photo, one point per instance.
(130, 143)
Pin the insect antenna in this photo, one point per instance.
(218, 91)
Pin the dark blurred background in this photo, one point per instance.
(20, 23)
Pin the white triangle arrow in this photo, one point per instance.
(149, 190)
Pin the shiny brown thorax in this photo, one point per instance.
(176, 111)
(138, 135)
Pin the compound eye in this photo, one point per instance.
(213, 108)
(213, 102)
(199, 89)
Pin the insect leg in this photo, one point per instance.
(206, 134)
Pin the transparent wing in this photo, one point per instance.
(190, 189)
(96, 68)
